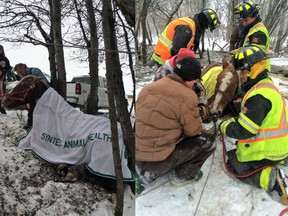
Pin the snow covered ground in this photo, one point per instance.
(29, 186)
(216, 194)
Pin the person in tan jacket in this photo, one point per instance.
(168, 127)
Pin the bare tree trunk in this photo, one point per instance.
(111, 74)
(127, 8)
(130, 58)
(51, 56)
(53, 69)
(231, 17)
(277, 9)
(143, 19)
(144, 32)
(92, 106)
(282, 34)
(56, 17)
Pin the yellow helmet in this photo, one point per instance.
(212, 18)
(246, 9)
(251, 58)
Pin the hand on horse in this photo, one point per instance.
(237, 105)
(233, 52)
(202, 111)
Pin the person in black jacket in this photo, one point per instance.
(5, 69)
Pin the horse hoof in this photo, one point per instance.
(70, 177)
(62, 170)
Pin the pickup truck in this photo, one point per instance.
(78, 91)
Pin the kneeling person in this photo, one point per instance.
(168, 127)
(261, 127)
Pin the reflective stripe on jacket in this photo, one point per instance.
(164, 44)
(259, 27)
(271, 137)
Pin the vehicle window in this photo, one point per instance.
(47, 77)
(81, 80)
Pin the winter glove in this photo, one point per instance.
(202, 111)
(200, 92)
(224, 124)
(237, 105)
(233, 52)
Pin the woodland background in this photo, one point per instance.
(154, 15)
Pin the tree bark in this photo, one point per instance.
(57, 33)
(127, 8)
(92, 106)
(111, 74)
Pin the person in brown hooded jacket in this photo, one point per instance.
(168, 127)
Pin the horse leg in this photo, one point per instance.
(67, 172)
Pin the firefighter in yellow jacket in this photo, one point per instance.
(183, 32)
(254, 31)
(261, 127)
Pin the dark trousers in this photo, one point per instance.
(242, 168)
(30, 115)
(187, 158)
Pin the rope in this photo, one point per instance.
(283, 212)
(202, 191)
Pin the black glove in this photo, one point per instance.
(197, 89)
(202, 111)
(237, 105)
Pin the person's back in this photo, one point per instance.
(166, 113)
(37, 72)
(168, 127)
(183, 32)
(22, 70)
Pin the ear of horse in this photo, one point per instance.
(225, 61)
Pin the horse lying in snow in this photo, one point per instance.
(62, 135)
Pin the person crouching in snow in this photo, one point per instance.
(168, 127)
(261, 127)
(167, 68)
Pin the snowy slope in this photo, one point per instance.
(216, 194)
(29, 186)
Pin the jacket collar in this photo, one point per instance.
(176, 78)
(246, 86)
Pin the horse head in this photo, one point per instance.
(226, 88)
(27, 91)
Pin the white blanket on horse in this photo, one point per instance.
(61, 134)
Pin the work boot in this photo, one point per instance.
(280, 185)
(143, 179)
(146, 177)
(178, 182)
(2, 110)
